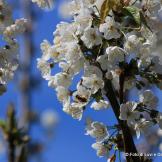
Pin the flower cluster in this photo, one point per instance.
(106, 39)
(9, 29)
(105, 140)
(143, 114)
(100, 133)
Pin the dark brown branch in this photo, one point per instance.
(23, 154)
(121, 88)
(121, 98)
(129, 145)
(10, 134)
(11, 150)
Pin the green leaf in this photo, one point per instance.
(2, 124)
(133, 12)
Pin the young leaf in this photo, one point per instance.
(105, 9)
(2, 124)
(134, 12)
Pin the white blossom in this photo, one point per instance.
(74, 109)
(101, 149)
(142, 125)
(159, 120)
(159, 132)
(132, 44)
(109, 29)
(9, 30)
(97, 130)
(44, 67)
(91, 37)
(82, 94)
(103, 60)
(84, 20)
(115, 56)
(90, 51)
(92, 70)
(160, 147)
(128, 112)
(15, 29)
(102, 104)
(61, 79)
(45, 47)
(93, 82)
(63, 94)
(149, 99)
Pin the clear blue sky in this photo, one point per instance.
(70, 144)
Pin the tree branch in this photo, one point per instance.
(121, 88)
(11, 150)
(11, 138)
(129, 146)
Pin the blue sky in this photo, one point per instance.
(69, 143)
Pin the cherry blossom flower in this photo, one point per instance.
(107, 45)
(97, 130)
(109, 29)
(102, 104)
(101, 149)
(9, 30)
(149, 99)
(128, 112)
(91, 37)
